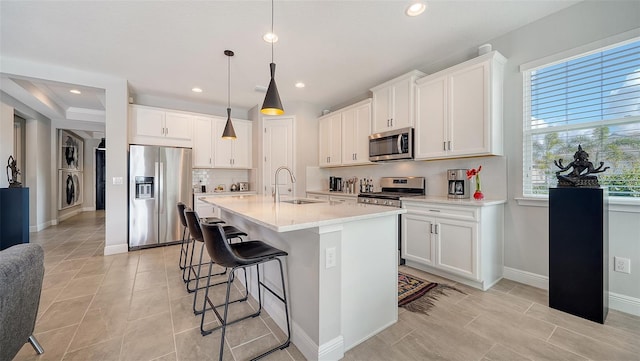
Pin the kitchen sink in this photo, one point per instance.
(302, 201)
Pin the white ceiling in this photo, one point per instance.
(340, 49)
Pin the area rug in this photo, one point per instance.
(418, 295)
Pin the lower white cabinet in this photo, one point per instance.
(462, 243)
(322, 197)
(343, 199)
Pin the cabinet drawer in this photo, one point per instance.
(440, 211)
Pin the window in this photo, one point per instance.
(591, 100)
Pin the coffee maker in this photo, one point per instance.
(458, 184)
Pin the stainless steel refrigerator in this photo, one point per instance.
(159, 177)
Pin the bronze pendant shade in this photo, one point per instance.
(229, 132)
(272, 104)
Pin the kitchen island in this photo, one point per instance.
(341, 268)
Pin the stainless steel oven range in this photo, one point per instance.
(392, 189)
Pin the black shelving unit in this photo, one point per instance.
(14, 216)
(579, 252)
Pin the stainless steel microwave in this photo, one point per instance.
(391, 145)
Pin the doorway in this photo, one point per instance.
(101, 176)
(278, 150)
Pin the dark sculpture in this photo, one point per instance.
(580, 175)
(13, 166)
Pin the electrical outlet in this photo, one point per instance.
(330, 257)
(621, 264)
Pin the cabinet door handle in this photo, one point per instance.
(355, 156)
(444, 145)
(437, 231)
(392, 122)
(449, 144)
(431, 228)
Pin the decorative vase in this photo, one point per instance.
(478, 193)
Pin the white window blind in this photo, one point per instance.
(592, 100)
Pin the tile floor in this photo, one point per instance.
(134, 307)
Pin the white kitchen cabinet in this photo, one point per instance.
(393, 103)
(462, 243)
(232, 153)
(417, 240)
(343, 199)
(203, 208)
(356, 127)
(459, 110)
(322, 197)
(156, 126)
(330, 140)
(202, 154)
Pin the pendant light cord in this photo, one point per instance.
(228, 81)
(272, 33)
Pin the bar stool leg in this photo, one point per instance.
(182, 263)
(226, 310)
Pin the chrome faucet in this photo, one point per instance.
(276, 194)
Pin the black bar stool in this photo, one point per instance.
(184, 244)
(193, 225)
(240, 256)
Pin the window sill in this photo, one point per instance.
(616, 204)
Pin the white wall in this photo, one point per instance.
(37, 159)
(526, 227)
(6, 136)
(115, 131)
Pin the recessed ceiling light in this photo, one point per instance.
(75, 91)
(196, 90)
(270, 37)
(299, 84)
(416, 8)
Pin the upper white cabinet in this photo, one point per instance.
(344, 135)
(356, 127)
(459, 110)
(393, 103)
(157, 126)
(232, 153)
(202, 154)
(330, 140)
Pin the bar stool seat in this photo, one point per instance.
(241, 256)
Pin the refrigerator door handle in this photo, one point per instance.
(156, 181)
(161, 193)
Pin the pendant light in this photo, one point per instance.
(228, 132)
(272, 104)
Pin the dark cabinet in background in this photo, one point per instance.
(14, 216)
(579, 252)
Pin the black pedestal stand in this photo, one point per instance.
(579, 252)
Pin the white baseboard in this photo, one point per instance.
(89, 209)
(618, 302)
(115, 249)
(330, 350)
(39, 227)
(69, 215)
(528, 278)
(626, 304)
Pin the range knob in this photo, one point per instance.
(375, 201)
(385, 203)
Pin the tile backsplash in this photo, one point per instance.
(211, 178)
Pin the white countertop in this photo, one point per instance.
(468, 202)
(285, 217)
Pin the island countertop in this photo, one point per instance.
(285, 217)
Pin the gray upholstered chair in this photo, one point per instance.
(21, 273)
